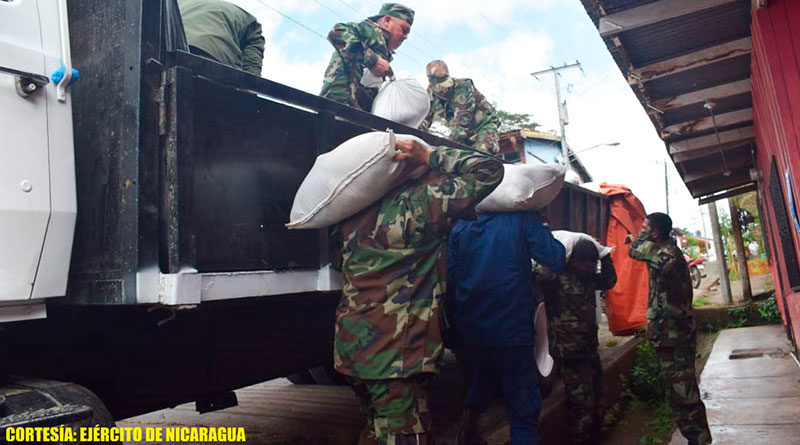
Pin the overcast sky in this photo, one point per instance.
(498, 44)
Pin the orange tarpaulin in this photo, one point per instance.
(626, 303)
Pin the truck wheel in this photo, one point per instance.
(48, 403)
(301, 378)
(326, 375)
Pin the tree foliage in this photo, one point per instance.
(515, 121)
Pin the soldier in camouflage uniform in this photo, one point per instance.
(368, 44)
(470, 118)
(388, 324)
(570, 301)
(671, 324)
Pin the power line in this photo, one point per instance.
(418, 49)
(409, 44)
(421, 64)
(293, 20)
(488, 20)
(352, 8)
(336, 13)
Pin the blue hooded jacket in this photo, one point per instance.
(489, 269)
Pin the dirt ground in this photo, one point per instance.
(713, 293)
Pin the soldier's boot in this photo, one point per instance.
(468, 433)
(366, 439)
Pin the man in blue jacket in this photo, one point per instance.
(489, 267)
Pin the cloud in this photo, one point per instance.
(602, 109)
(434, 16)
(501, 71)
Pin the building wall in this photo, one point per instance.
(542, 149)
(776, 108)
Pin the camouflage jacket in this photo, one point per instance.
(358, 46)
(389, 320)
(465, 111)
(571, 308)
(669, 307)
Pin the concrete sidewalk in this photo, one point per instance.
(754, 399)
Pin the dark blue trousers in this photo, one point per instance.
(513, 369)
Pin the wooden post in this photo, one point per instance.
(719, 251)
(747, 293)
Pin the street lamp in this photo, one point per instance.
(609, 144)
(574, 153)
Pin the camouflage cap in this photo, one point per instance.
(397, 10)
(439, 76)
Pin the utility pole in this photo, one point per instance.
(719, 250)
(556, 73)
(744, 274)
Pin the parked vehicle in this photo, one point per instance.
(144, 255)
(696, 269)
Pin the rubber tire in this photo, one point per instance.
(697, 277)
(326, 375)
(301, 378)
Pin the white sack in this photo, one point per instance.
(402, 100)
(569, 239)
(370, 80)
(525, 187)
(541, 348)
(349, 178)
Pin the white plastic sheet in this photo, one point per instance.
(541, 347)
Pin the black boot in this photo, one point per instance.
(468, 432)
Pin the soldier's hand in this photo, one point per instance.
(382, 68)
(630, 238)
(411, 150)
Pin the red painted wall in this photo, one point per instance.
(776, 109)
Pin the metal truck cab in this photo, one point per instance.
(37, 174)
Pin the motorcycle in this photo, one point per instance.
(696, 270)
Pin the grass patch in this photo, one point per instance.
(755, 314)
(659, 428)
(647, 378)
(612, 342)
(700, 302)
(709, 327)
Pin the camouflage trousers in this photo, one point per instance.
(683, 394)
(396, 410)
(583, 382)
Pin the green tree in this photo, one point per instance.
(750, 233)
(515, 121)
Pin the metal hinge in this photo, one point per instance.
(161, 100)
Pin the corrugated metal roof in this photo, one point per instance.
(681, 55)
(612, 6)
(686, 34)
(725, 71)
(540, 135)
(697, 111)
